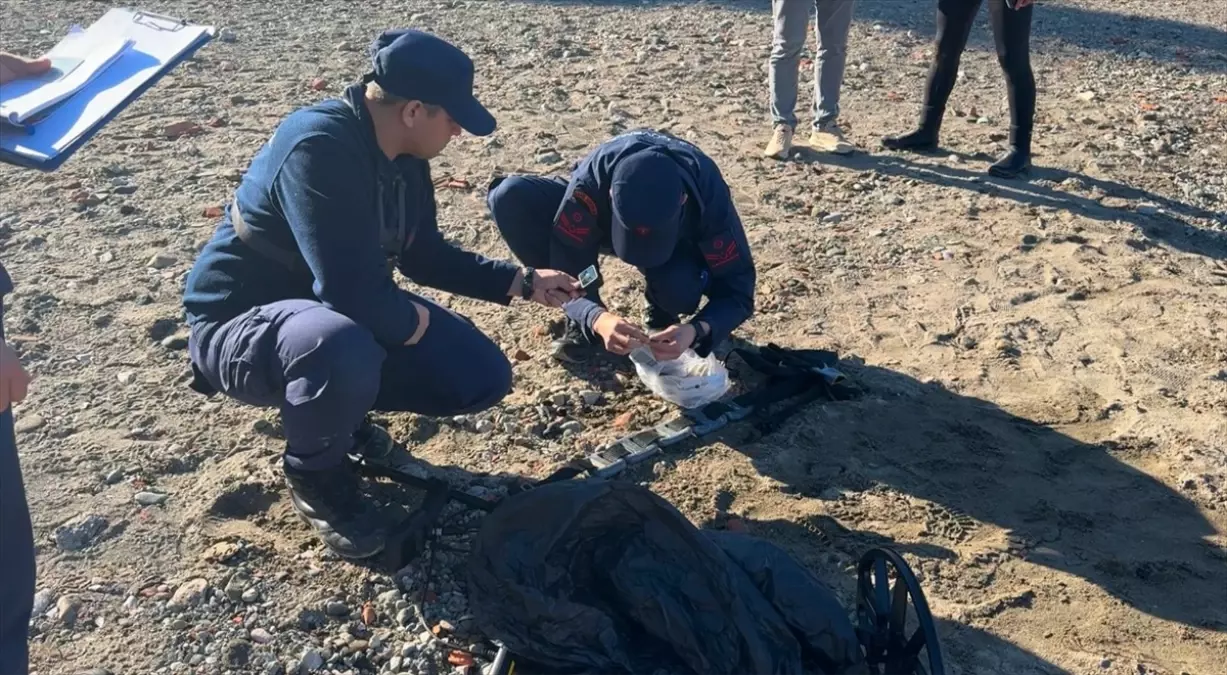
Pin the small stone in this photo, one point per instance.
(572, 427)
(1106, 663)
(106, 257)
(521, 355)
(561, 399)
(150, 498)
(238, 653)
(624, 420)
(221, 552)
(394, 664)
(79, 533)
(178, 624)
(336, 608)
(261, 636)
(250, 595)
(319, 84)
(590, 397)
(126, 377)
(175, 342)
(227, 35)
(312, 660)
(189, 594)
(68, 608)
(27, 423)
(344, 46)
(404, 617)
(181, 129)
(213, 211)
(893, 200)
(484, 426)
(833, 218)
(425, 637)
(42, 602)
(369, 616)
(161, 261)
(549, 157)
(1086, 96)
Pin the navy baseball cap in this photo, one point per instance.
(422, 67)
(647, 194)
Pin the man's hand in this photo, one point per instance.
(672, 342)
(13, 67)
(423, 324)
(620, 337)
(14, 380)
(554, 289)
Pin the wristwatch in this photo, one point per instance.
(700, 332)
(526, 283)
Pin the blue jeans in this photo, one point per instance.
(325, 372)
(16, 542)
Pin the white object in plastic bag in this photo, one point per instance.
(689, 381)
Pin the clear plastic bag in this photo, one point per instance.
(689, 381)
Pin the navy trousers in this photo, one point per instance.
(325, 372)
(16, 543)
(524, 208)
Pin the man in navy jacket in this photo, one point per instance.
(659, 204)
(293, 303)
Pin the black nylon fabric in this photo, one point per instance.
(606, 577)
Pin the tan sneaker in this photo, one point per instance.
(830, 139)
(781, 142)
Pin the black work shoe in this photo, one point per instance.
(1013, 164)
(331, 502)
(374, 445)
(655, 318)
(573, 346)
(920, 140)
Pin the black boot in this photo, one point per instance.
(923, 139)
(573, 346)
(331, 502)
(1017, 161)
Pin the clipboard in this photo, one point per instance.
(159, 44)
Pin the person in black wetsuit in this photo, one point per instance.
(1012, 32)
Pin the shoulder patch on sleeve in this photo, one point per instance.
(723, 254)
(576, 223)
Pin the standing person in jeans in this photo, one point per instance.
(16, 535)
(832, 20)
(1012, 32)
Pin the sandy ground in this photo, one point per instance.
(1043, 429)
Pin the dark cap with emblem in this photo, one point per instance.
(647, 194)
(419, 66)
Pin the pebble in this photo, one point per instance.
(312, 660)
(572, 427)
(1086, 96)
(549, 157)
(227, 35)
(590, 397)
(336, 608)
(404, 617)
(261, 636)
(251, 595)
(150, 498)
(161, 261)
(178, 624)
(175, 342)
(79, 533)
(190, 593)
(68, 608)
(126, 377)
(345, 46)
(42, 602)
(484, 426)
(833, 218)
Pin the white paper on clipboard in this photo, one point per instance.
(156, 41)
(75, 61)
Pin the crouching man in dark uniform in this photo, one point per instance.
(293, 304)
(659, 204)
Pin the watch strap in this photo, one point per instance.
(526, 283)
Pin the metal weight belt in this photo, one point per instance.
(802, 374)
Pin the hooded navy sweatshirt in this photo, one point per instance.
(710, 224)
(321, 191)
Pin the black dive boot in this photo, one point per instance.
(1017, 161)
(573, 346)
(331, 502)
(923, 139)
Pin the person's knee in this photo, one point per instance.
(506, 200)
(329, 357)
(496, 382)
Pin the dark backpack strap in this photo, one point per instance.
(284, 257)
